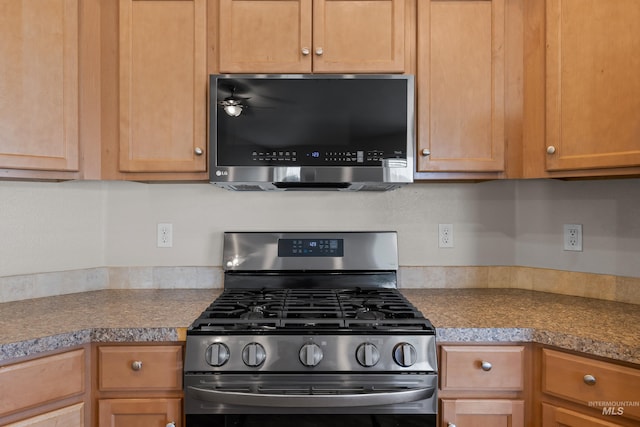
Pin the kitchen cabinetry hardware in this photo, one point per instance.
(451, 425)
(171, 424)
(199, 151)
(136, 365)
(426, 152)
(305, 51)
(589, 379)
(319, 51)
(551, 149)
(486, 366)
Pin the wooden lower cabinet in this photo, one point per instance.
(70, 416)
(553, 416)
(482, 413)
(150, 412)
(44, 391)
(138, 385)
(579, 390)
(483, 385)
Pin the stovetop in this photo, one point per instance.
(289, 310)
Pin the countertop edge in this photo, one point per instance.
(456, 335)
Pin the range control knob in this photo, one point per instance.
(404, 354)
(253, 354)
(217, 354)
(367, 355)
(310, 355)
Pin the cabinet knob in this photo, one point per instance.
(426, 152)
(305, 51)
(171, 424)
(451, 425)
(589, 379)
(551, 149)
(486, 366)
(136, 365)
(319, 51)
(199, 151)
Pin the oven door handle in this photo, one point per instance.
(311, 400)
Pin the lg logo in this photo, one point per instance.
(222, 173)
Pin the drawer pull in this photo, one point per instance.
(486, 366)
(589, 379)
(136, 365)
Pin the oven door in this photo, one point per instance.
(326, 400)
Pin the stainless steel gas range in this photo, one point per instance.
(311, 329)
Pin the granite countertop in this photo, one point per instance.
(596, 327)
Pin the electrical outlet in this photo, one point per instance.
(165, 235)
(445, 235)
(573, 237)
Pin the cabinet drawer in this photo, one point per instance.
(482, 368)
(140, 368)
(39, 381)
(591, 382)
(71, 416)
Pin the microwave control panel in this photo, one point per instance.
(321, 158)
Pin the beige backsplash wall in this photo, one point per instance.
(506, 233)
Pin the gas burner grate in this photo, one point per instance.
(358, 309)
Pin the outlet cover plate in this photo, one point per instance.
(445, 235)
(573, 237)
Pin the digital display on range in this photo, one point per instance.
(311, 248)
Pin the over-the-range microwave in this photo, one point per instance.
(311, 132)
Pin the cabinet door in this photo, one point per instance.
(39, 84)
(265, 36)
(482, 413)
(155, 412)
(461, 86)
(553, 416)
(163, 86)
(351, 36)
(592, 84)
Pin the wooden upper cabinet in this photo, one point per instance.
(592, 84)
(304, 36)
(360, 36)
(265, 36)
(461, 86)
(162, 87)
(39, 125)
